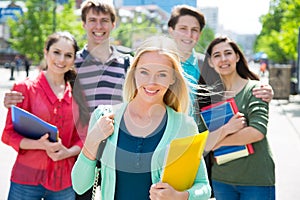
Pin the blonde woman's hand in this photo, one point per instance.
(105, 125)
(103, 128)
(163, 191)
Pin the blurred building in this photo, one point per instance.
(8, 9)
(245, 41)
(163, 4)
(211, 17)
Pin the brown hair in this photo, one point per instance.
(182, 10)
(97, 6)
(242, 67)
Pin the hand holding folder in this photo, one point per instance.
(31, 126)
(183, 160)
(215, 116)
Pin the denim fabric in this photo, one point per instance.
(31, 192)
(223, 191)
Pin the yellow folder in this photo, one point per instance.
(183, 160)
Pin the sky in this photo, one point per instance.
(240, 16)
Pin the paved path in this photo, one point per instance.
(7, 154)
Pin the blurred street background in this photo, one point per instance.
(266, 30)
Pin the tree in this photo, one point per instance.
(206, 37)
(278, 38)
(29, 32)
(141, 24)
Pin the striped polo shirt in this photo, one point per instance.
(101, 82)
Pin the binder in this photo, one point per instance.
(215, 116)
(218, 114)
(31, 126)
(183, 160)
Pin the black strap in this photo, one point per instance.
(103, 142)
(126, 63)
(100, 152)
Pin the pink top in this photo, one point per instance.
(34, 167)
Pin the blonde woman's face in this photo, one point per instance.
(153, 75)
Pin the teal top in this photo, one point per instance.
(192, 75)
(190, 67)
(178, 125)
(257, 169)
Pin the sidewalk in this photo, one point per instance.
(7, 154)
(283, 135)
(5, 83)
(284, 138)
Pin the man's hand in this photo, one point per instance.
(12, 98)
(264, 92)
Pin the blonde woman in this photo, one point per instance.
(156, 100)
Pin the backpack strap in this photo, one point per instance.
(126, 63)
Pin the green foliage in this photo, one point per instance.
(29, 32)
(206, 37)
(131, 31)
(67, 20)
(278, 38)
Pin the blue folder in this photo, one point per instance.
(31, 126)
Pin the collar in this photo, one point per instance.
(192, 60)
(85, 54)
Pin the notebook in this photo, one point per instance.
(218, 114)
(31, 126)
(183, 160)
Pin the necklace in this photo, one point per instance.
(141, 125)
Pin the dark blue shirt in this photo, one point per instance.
(133, 162)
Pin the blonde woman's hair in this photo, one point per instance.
(177, 95)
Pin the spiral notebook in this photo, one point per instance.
(31, 126)
(183, 160)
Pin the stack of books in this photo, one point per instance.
(215, 116)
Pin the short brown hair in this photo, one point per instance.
(98, 6)
(182, 10)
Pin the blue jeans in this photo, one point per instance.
(225, 191)
(37, 192)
